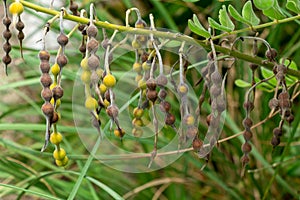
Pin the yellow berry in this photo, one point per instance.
(61, 163)
(138, 112)
(106, 103)
(109, 80)
(84, 64)
(119, 132)
(16, 8)
(86, 76)
(59, 155)
(146, 66)
(91, 103)
(137, 67)
(55, 69)
(55, 138)
(102, 88)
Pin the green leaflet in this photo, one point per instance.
(293, 5)
(196, 27)
(225, 19)
(241, 83)
(218, 26)
(234, 13)
(274, 12)
(263, 4)
(249, 14)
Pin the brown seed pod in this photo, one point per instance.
(161, 80)
(140, 24)
(215, 90)
(165, 106)
(7, 34)
(290, 118)
(247, 123)
(216, 78)
(151, 95)
(191, 132)
(253, 66)
(221, 104)
(144, 56)
(247, 135)
(275, 141)
(55, 118)
(282, 68)
(204, 71)
(92, 31)
(92, 45)
(283, 100)
(197, 144)
(44, 66)
(107, 95)
(93, 62)
(82, 48)
(151, 84)
(58, 92)
(61, 60)
(273, 103)
(271, 54)
(44, 55)
(74, 8)
(21, 35)
(277, 132)
(162, 94)
(170, 119)
(6, 21)
(112, 111)
(62, 39)
(20, 25)
(249, 106)
(48, 109)
(6, 47)
(105, 43)
(46, 94)
(208, 119)
(246, 147)
(245, 159)
(6, 59)
(46, 80)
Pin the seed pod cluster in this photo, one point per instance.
(6, 35)
(20, 26)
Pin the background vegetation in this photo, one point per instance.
(26, 173)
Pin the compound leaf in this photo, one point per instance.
(198, 28)
(274, 12)
(249, 15)
(293, 5)
(225, 19)
(218, 26)
(263, 4)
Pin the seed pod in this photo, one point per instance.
(62, 39)
(140, 24)
(144, 57)
(46, 94)
(247, 122)
(74, 8)
(20, 25)
(46, 80)
(61, 60)
(161, 80)
(58, 92)
(91, 103)
(247, 135)
(109, 81)
(93, 62)
(44, 55)
(221, 105)
(165, 106)
(275, 141)
(204, 71)
(151, 95)
(189, 119)
(151, 84)
(107, 95)
(6, 47)
(215, 90)
(271, 54)
(48, 109)
(182, 89)
(209, 119)
(137, 122)
(137, 132)
(82, 48)
(249, 106)
(112, 111)
(282, 68)
(54, 119)
(162, 94)
(216, 78)
(119, 132)
(170, 119)
(92, 45)
(21, 36)
(6, 34)
(44, 66)
(197, 144)
(92, 31)
(105, 43)
(246, 147)
(283, 100)
(277, 132)
(290, 119)
(273, 103)
(245, 159)
(137, 67)
(191, 132)
(253, 66)
(138, 112)
(6, 21)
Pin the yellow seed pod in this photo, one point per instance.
(137, 122)
(91, 103)
(59, 155)
(62, 163)
(16, 8)
(138, 112)
(58, 102)
(55, 69)
(84, 63)
(102, 88)
(182, 89)
(146, 66)
(137, 67)
(109, 81)
(56, 138)
(106, 103)
(53, 85)
(119, 132)
(135, 44)
(99, 72)
(189, 119)
(86, 77)
(138, 78)
(142, 84)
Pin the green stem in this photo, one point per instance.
(176, 36)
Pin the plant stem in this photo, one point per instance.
(176, 36)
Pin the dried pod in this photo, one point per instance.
(82, 48)
(20, 25)
(6, 21)
(253, 66)
(92, 45)
(81, 27)
(282, 68)
(246, 147)
(170, 119)
(151, 95)
(209, 119)
(162, 94)
(245, 159)
(216, 78)
(93, 62)
(48, 109)
(290, 118)
(204, 71)
(221, 104)
(107, 95)
(277, 132)
(247, 122)
(197, 144)
(249, 106)
(6, 47)
(273, 103)
(151, 84)
(55, 118)
(6, 59)
(62, 39)
(112, 111)
(283, 100)
(105, 43)
(275, 141)
(189, 119)
(92, 31)
(119, 132)
(191, 132)
(44, 55)
(215, 90)
(61, 60)
(46, 80)
(58, 92)
(7, 34)
(165, 106)
(44, 66)
(144, 57)
(161, 80)
(271, 54)
(247, 135)
(46, 94)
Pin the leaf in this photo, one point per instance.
(225, 19)
(218, 26)
(234, 13)
(191, 1)
(274, 12)
(268, 73)
(242, 83)
(249, 15)
(199, 30)
(263, 4)
(293, 5)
